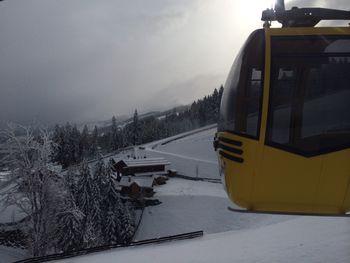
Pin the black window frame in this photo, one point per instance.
(247, 79)
(268, 134)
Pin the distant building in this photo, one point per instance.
(141, 167)
(136, 187)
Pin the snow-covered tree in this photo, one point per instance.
(36, 187)
(95, 216)
(127, 222)
(111, 225)
(69, 229)
(84, 189)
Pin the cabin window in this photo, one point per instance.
(241, 103)
(309, 111)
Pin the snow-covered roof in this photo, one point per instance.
(144, 182)
(146, 162)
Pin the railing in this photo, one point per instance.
(86, 251)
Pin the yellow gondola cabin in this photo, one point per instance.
(283, 138)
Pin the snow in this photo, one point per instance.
(192, 155)
(229, 236)
(9, 213)
(176, 186)
(181, 214)
(194, 205)
(302, 239)
(4, 176)
(9, 254)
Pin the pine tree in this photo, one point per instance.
(57, 144)
(84, 189)
(90, 236)
(127, 222)
(111, 205)
(69, 235)
(111, 226)
(95, 217)
(70, 182)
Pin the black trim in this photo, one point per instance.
(242, 134)
(311, 55)
(230, 141)
(257, 136)
(230, 149)
(262, 91)
(230, 157)
(290, 149)
(303, 17)
(246, 211)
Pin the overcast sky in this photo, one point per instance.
(82, 60)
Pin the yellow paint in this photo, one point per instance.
(271, 179)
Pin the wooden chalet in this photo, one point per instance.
(136, 187)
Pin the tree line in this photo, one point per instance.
(70, 146)
(65, 211)
(81, 208)
(94, 213)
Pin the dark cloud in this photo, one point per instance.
(76, 60)
(64, 60)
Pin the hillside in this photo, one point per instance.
(229, 236)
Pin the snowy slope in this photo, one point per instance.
(9, 254)
(190, 206)
(302, 239)
(192, 155)
(229, 236)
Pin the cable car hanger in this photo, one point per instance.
(301, 17)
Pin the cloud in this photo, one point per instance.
(64, 60)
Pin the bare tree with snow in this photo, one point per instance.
(34, 184)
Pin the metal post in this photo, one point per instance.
(279, 6)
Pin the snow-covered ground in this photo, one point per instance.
(302, 239)
(193, 205)
(8, 254)
(192, 155)
(229, 236)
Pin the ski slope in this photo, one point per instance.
(193, 205)
(303, 239)
(192, 155)
(229, 236)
